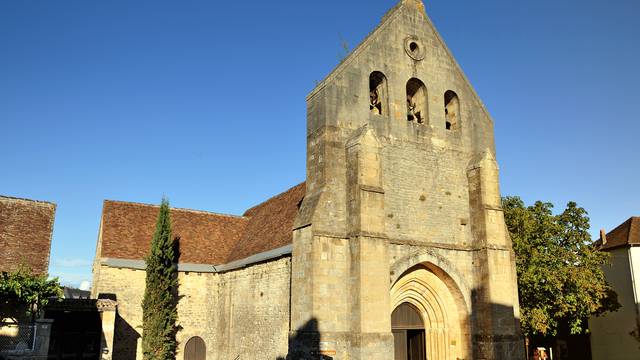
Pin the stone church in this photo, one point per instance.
(394, 247)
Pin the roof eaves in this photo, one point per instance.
(205, 268)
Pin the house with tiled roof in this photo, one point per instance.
(394, 247)
(616, 335)
(26, 227)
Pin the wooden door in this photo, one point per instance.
(400, 344)
(408, 333)
(195, 349)
(416, 345)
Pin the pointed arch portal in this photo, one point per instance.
(428, 312)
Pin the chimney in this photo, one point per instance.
(603, 237)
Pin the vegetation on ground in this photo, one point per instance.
(24, 293)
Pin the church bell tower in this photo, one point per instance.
(402, 209)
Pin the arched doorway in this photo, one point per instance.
(195, 349)
(427, 305)
(408, 333)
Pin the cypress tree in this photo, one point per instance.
(159, 306)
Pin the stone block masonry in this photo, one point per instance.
(241, 312)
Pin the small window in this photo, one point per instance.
(378, 93)
(416, 101)
(195, 349)
(451, 110)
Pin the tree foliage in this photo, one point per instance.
(22, 291)
(560, 279)
(159, 305)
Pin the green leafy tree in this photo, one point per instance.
(159, 306)
(560, 279)
(23, 293)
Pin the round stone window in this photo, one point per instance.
(414, 48)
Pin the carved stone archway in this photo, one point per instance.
(444, 314)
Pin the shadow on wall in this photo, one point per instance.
(492, 323)
(125, 341)
(305, 343)
(125, 337)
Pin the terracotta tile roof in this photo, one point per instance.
(25, 233)
(627, 233)
(205, 238)
(270, 224)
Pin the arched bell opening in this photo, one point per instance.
(451, 110)
(417, 109)
(378, 98)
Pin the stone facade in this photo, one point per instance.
(401, 206)
(238, 313)
(397, 190)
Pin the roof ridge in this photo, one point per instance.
(26, 199)
(177, 209)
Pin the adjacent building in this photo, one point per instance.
(394, 247)
(26, 227)
(616, 335)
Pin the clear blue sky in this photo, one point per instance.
(204, 101)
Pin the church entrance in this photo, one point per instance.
(408, 333)
(429, 319)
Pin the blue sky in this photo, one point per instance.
(204, 101)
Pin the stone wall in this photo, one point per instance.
(242, 313)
